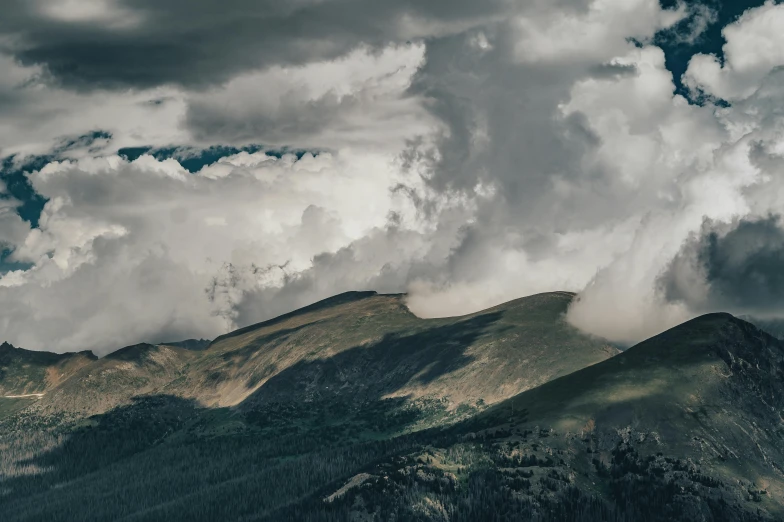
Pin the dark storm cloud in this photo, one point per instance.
(737, 267)
(506, 130)
(295, 118)
(613, 70)
(144, 43)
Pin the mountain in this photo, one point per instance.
(333, 384)
(355, 409)
(190, 344)
(25, 372)
(353, 349)
(114, 379)
(773, 326)
(687, 377)
(365, 346)
(687, 425)
(25, 376)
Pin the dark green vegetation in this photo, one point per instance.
(354, 409)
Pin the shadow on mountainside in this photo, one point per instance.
(312, 424)
(373, 371)
(166, 458)
(307, 430)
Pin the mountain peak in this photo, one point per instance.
(335, 300)
(131, 353)
(189, 344)
(707, 359)
(717, 333)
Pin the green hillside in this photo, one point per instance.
(354, 349)
(355, 409)
(687, 425)
(368, 346)
(294, 403)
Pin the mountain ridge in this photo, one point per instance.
(329, 301)
(355, 409)
(381, 348)
(351, 326)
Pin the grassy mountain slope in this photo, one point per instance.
(358, 346)
(687, 425)
(368, 346)
(25, 372)
(274, 413)
(327, 414)
(681, 379)
(113, 380)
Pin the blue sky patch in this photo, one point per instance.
(193, 160)
(677, 53)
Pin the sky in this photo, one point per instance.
(173, 169)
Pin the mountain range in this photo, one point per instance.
(353, 408)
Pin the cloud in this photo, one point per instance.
(129, 250)
(600, 152)
(507, 149)
(37, 117)
(719, 164)
(755, 46)
(146, 43)
(12, 228)
(595, 32)
(733, 266)
(567, 154)
(358, 100)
